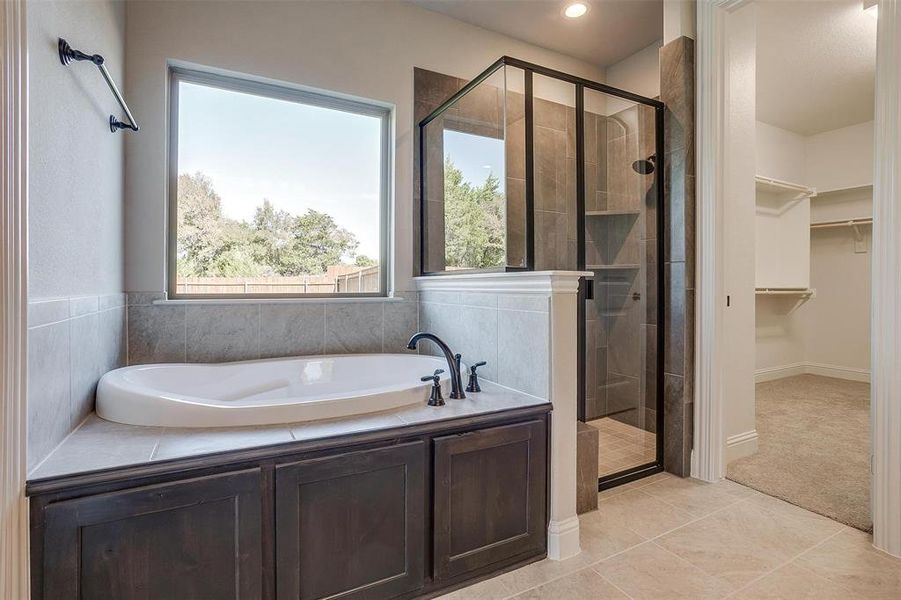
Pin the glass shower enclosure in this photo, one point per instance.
(528, 168)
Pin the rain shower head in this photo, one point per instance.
(645, 166)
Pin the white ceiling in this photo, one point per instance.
(816, 64)
(611, 31)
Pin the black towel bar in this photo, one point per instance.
(67, 54)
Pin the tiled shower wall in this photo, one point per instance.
(677, 90)
(72, 342)
(219, 332)
(621, 249)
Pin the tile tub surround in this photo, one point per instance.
(99, 444)
(527, 320)
(667, 537)
(485, 326)
(72, 342)
(677, 90)
(196, 331)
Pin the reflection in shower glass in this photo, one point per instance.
(621, 237)
(474, 186)
(474, 201)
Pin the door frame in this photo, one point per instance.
(708, 452)
(13, 291)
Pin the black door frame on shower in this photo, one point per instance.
(581, 84)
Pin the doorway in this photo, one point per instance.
(722, 177)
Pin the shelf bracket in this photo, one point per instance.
(860, 243)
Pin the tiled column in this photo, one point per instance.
(537, 308)
(677, 92)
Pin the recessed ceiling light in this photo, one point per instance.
(574, 10)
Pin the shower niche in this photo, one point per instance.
(528, 168)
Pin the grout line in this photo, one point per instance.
(654, 541)
(127, 312)
(668, 531)
(259, 331)
(788, 561)
(382, 329)
(184, 338)
(621, 590)
(324, 327)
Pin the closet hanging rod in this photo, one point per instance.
(67, 54)
(842, 223)
(804, 292)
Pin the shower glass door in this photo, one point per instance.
(550, 171)
(622, 242)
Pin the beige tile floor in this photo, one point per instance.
(622, 446)
(664, 537)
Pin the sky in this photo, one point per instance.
(299, 156)
(295, 155)
(476, 156)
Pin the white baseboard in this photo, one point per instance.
(741, 445)
(849, 373)
(563, 539)
(810, 368)
(771, 373)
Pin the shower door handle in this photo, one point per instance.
(588, 287)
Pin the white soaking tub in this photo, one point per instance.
(265, 392)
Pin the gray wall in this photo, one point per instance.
(76, 166)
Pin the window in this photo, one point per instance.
(274, 191)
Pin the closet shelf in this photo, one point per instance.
(853, 189)
(803, 292)
(793, 191)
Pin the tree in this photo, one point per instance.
(274, 242)
(364, 261)
(474, 221)
(205, 237)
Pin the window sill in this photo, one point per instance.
(320, 300)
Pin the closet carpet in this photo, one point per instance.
(813, 447)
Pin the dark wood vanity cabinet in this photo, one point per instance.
(196, 538)
(351, 525)
(490, 491)
(407, 514)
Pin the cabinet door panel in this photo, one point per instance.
(490, 496)
(351, 525)
(199, 538)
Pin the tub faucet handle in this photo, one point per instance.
(473, 385)
(435, 397)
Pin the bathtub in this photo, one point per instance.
(265, 392)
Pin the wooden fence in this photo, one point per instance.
(337, 280)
